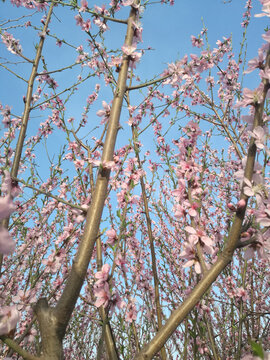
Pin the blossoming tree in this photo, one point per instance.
(137, 236)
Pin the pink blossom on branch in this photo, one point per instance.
(12, 44)
(257, 173)
(112, 236)
(256, 63)
(266, 36)
(252, 357)
(131, 312)
(251, 190)
(84, 6)
(7, 244)
(8, 186)
(250, 97)
(105, 113)
(116, 300)
(258, 247)
(24, 299)
(102, 292)
(103, 164)
(9, 316)
(133, 3)
(189, 253)
(103, 275)
(262, 215)
(197, 42)
(6, 207)
(265, 9)
(259, 135)
(241, 205)
(198, 234)
(133, 56)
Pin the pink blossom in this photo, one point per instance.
(24, 298)
(112, 236)
(256, 62)
(102, 292)
(9, 316)
(179, 211)
(241, 293)
(116, 300)
(259, 135)
(197, 42)
(8, 186)
(121, 262)
(241, 204)
(103, 164)
(130, 52)
(6, 207)
(250, 97)
(248, 119)
(7, 244)
(101, 24)
(265, 74)
(257, 173)
(256, 247)
(189, 253)
(251, 190)
(198, 234)
(102, 10)
(133, 3)
(263, 215)
(192, 211)
(79, 164)
(12, 44)
(84, 6)
(266, 36)
(265, 9)
(131, 312)
(86, 26)
(52, 264)
(103, 274)
(105, 113)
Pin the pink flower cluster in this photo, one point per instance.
(101, 287)
(9, 315)
(7, 207)
(12, 44)
(134, 56)
(102, 290)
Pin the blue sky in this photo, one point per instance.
(167, 29)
